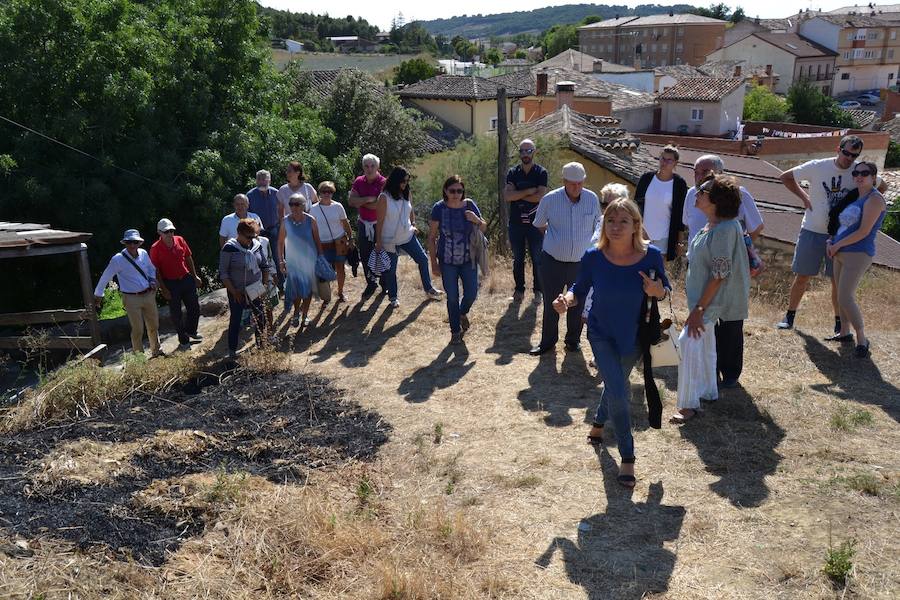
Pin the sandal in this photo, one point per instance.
(595, 440)
(681, 418)
(628, 481)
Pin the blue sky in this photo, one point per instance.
(381, 14)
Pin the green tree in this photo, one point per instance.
(492, 56)
(464, 49)
(560, 38)
(760, 104)
(807, 104)
(715, 11)
(590, 19)
(892, 160)
(738, 15)
(413, 70)
(520, 54)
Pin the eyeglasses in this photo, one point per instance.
(295, 204)
(860, 173)
(456, 190)
(528, 151)
(849, 154)
(132, 243)
(326, 192)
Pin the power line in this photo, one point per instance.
(82, 152)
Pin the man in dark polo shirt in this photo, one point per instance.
(526, 184)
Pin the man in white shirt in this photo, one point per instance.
(137, 283)
(228, 228)
(694, 219)
(829, 181)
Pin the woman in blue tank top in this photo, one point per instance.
(853, 248)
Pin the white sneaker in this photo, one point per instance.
(435, 294)
(395, 303)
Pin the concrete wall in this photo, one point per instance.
(460, 114)
(821, 32)
(864, 77)
(637, 119)
(718, 117)
(638, 80)
(535, 107)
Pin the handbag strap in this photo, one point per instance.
(135, 265)
(325, 218)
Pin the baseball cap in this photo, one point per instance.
(574, 171)
(165, 225)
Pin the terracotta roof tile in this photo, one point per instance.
(702, 89)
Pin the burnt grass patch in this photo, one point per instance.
(279, 427)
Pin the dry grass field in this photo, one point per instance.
(379, 462)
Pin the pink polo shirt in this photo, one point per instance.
(364, 188)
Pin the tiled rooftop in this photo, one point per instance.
(623, 98)
(858, 20)
(457, 87)
(795, 44)
(701, 89)
(726, 68)
(651, 20)
(570, 59)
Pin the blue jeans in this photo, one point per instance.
(615, 401)
(414, 249)
(450, 275)
(234, 321)
(520, 235)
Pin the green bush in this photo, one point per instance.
(113, 307)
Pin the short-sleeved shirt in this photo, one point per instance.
(827, 186)
(617, 296)
(570, 225)
(285, 192)
(329, 219)
(228, 227)
(367, 188)
(266, 205)
(522, 211)
(695, 220)
(453, 232)
(720, 252)
(171, 262)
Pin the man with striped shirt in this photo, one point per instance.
(568, 216)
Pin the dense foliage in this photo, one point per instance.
(720, 11)
(312, 30)
(414, 70)
(182, 95)
(807, 104)
(760, 104)
(540, 19)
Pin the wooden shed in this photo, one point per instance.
(26, 240)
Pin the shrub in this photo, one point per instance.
(839, 563)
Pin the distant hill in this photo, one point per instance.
(535, 21)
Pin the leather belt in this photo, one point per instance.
(137, 293)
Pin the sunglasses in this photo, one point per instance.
(860, 173)
(326, 192)
(295, 204)
(849, 154)
(169, 232)
(132, 243)
(528, 151)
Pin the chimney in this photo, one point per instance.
(671, 12)
(598, 66)
(565, 94)
(737, 70)
(541, 86)
(769, 70)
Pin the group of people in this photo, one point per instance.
(599, 260)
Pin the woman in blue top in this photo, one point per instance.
(452, 220)
(853, 248)
(299, 245)
(618, 269)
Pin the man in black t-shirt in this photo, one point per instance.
(526, 184)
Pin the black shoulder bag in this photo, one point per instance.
(649, 333)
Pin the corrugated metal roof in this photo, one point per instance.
(25, 235)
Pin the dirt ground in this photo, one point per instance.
(743, 502)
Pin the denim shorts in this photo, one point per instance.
(331, 256)
(809, 254)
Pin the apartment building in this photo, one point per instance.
(791, 56)
(868, 49)
(656, 40)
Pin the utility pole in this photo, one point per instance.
(502, 166)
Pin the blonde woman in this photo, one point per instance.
(618, 269)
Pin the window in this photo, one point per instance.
(890, 76)
(893, 34)
(845, 76)
(873, 35)
(679, 32)
(653, 47)
(665, 47)
(493, 123)
(849, 36)
(860, 34)
(679, 47)
(890, 53)
(696, 114)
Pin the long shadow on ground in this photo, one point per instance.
(274, 427)
(512, 333)
(619, 554)
(737, 443)
(445, 370)
(854, 379)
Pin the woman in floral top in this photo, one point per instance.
(717, 285)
